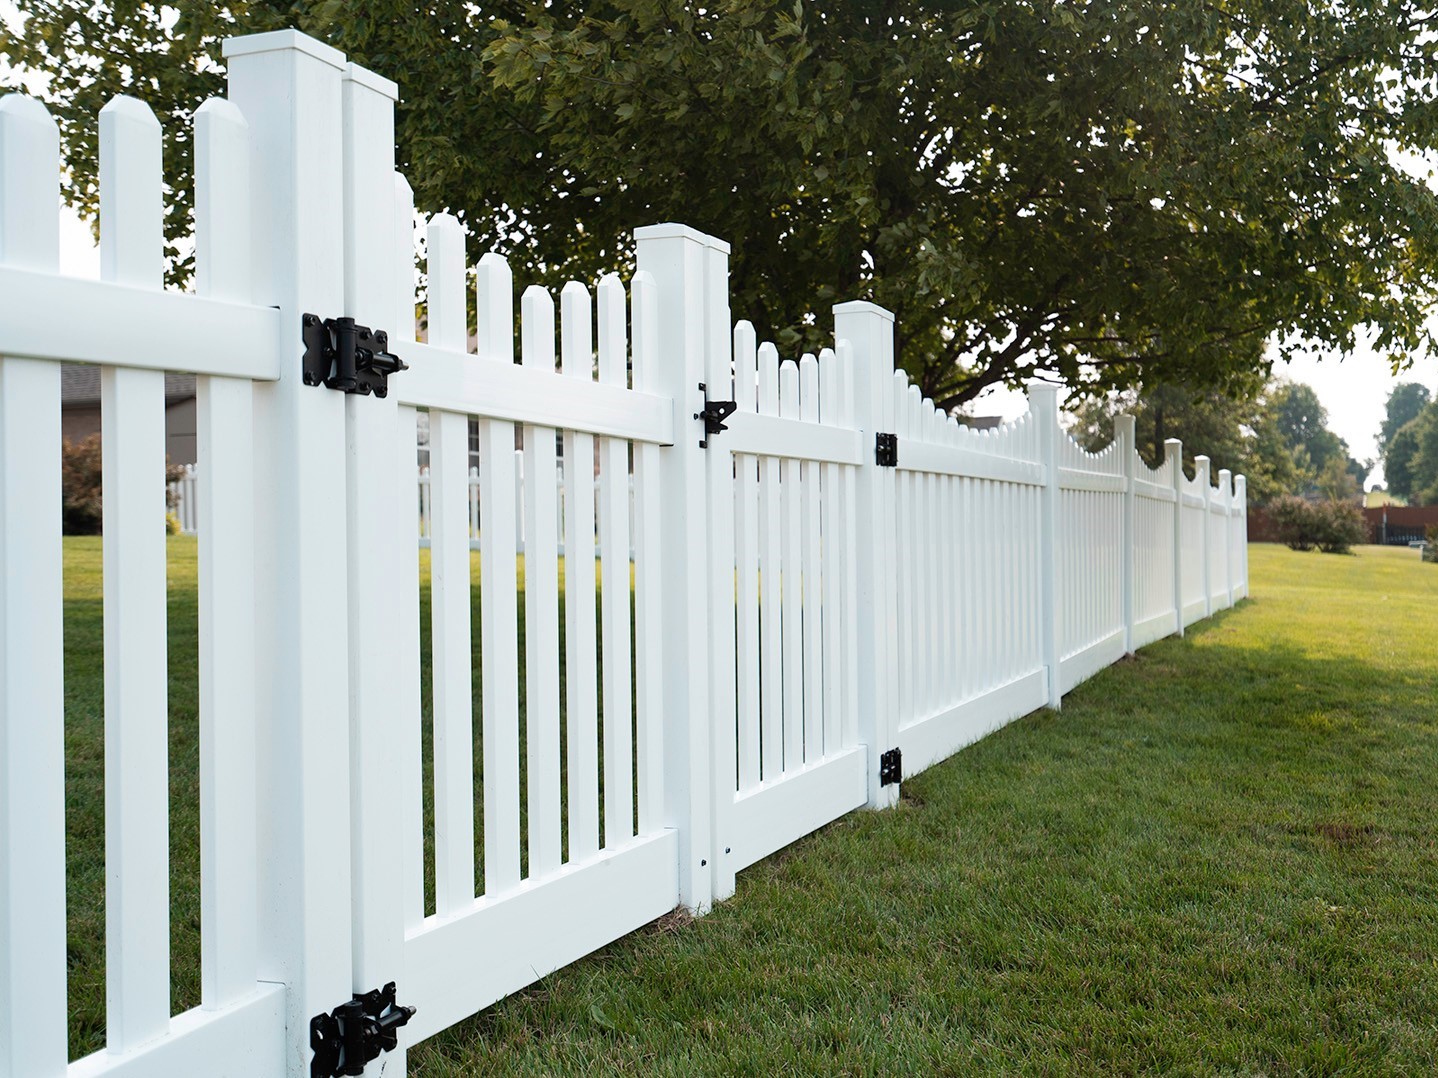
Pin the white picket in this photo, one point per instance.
(747, 560)
(771, 664)
(451, 631)
(614, 566)
(811, 571)
(32, 768)
(225, 448)
(581, 684)
(132, 404)
(541, 603)
(499, 622)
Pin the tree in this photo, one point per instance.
(1398, 461)
(1303, 421)
(1240, 432)
(1113, 193)
(1404, 403)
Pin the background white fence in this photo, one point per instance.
(800, 622)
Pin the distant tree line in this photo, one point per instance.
(1408, 441)
(1274, 432)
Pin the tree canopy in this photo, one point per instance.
(1404, 403)
(1410, 463)
(1108, 192)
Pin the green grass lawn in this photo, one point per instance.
(1218, 858)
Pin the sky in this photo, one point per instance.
(1353, 389)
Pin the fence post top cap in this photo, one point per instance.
(863, 306)
(669, 230)
(370, 81)
(280, 41)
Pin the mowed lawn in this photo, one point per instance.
(1219, 857)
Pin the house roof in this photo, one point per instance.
(80, 386)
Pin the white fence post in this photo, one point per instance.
(677, 258)
(1124, 431)
(1044, 403)
(1173, 457)
(1200, 468)
(288, 87)
(32, 699)
(869, 331)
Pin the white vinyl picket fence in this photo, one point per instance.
(839, 585)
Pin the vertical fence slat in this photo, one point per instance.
(771, 665)
(791, 569)
(746, 512)
(581, 684)
(132, 405)
(409, 745)
(32, 764)
(614, 544)
(649, 686)
(541, 602)
(1043, 403)
(833, 552)
(451, 636)
(499, 583)
(905, 666)
(223, 519)
(812, 572)
(849, 718)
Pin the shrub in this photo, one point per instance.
(81, 480)
(80, 483)
(1430, 539)
(1340, 526)
(1294, 521)
(1334, 527)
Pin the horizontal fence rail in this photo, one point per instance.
(722, 595)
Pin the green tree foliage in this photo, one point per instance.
(1303, 421)
(1399, 459)
(1239, 432)
(1110, 192)
(1411, 462)
(1404, 404)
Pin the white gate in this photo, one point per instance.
(525, 877)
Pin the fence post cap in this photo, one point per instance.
(281, 41)
(670, 230)
(863, 306)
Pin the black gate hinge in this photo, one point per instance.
(891, 767)
(347, 357)
(714, 414)
(356, 1032)
(886, 450)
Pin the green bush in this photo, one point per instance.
(81, 476)
(1294, 521)
(80, 482)
(1430, 548)
(1340, 526)
(1334, 527)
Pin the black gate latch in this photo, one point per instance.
(347, 357)
(714, 414)
(886, 450)
(891, 767)
(355, 1032)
